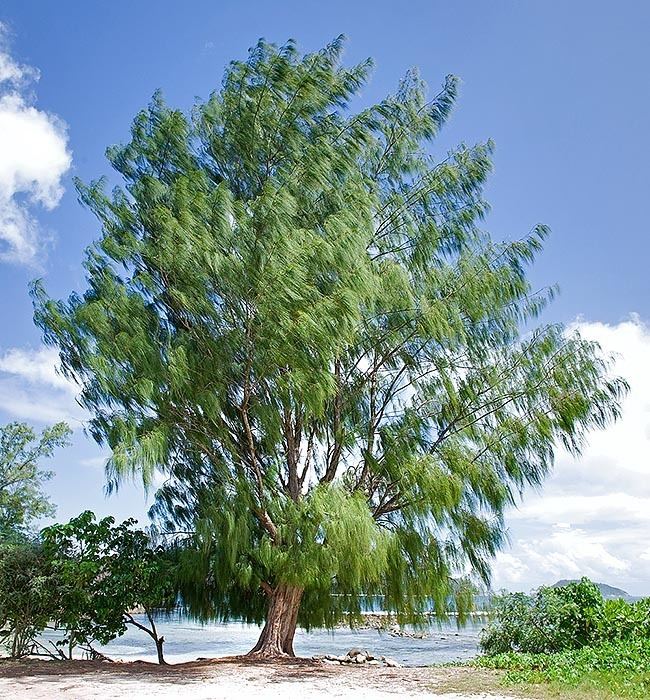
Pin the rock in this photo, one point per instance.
(374, 662)
(391, 663)
(331, 662)
(360, 658)
(396, 631)
(355, 652)
(343, 659)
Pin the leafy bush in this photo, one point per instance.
(623, 620)
(28, 591)
(620, 668)
(570, 636)
(552, 619)
(83, 578)
(104, 571)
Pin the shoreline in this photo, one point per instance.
(187, 640)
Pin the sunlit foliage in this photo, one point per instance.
(293, 313)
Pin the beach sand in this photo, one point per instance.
(233, 679)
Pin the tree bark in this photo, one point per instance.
(159, 649)
(151, 631)
(276, 640)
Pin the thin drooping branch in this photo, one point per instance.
(334, 457)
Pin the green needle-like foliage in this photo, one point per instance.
(293, 313)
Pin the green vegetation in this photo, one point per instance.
(293, 312)
(569, 637)
(552, 619)
(27, 588)
(609, 669)
(104, 571)
(82, 579)
(22, 500)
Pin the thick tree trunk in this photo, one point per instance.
(276, 639)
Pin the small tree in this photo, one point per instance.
(294, 313)
(28, 591)
(22, 500)
(104, 572)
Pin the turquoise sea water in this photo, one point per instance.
(186, 640)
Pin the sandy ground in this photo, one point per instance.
(44, 680)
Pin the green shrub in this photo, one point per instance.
(28, 592)
(621, 668)
(623, 620)
(104, 570)
(570, 637)
(553, 619)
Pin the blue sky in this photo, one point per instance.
(562, 88)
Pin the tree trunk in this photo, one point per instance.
(159, 648)
(276, 639)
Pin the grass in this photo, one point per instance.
(609, 670)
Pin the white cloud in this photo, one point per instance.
(559, 553)
(568, 510)
(32, 389)
(593, 516)
(10, 71)
(36, 367)
(35, 157)
(95, 462)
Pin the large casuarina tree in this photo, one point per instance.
(293, 313)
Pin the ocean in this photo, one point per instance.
(186, 640)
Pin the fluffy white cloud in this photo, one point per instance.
(35, 157)
(36, 367)
(593, 516)
(32, 389)
(568, 510)
(559, 553)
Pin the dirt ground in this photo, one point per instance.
(214, 680)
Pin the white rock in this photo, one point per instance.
(392, 663)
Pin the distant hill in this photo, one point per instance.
(608, 592)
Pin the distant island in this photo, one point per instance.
(608, 592)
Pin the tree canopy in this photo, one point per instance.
(27, 595)
(104, 572)
(84, 581)
(294, 314)
(22, 500)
